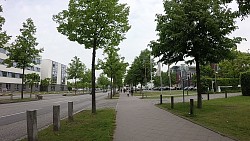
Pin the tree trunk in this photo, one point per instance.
(75, 86)
(111, 87)
(114, 87)
(93, 77)
(141, 92)
(31, 91)
(22, 85)
(198, 74)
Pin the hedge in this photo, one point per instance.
(245, 83)
(207, 82)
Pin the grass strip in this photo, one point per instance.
(227, 116)
(85, 127)
(6, 101)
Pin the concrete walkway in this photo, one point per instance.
(140, 120)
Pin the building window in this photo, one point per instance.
(17, 75)
(54, 72)
(8, 86)
(53, 88)
(4, 73)
(13, 75)
(16, 87)
(9, 74)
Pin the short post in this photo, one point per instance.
(56, 117)
(70, 111)
(225, 94)
(191, 106)
(161, 99)
(32, 125)
(172, 102)
(208, 95)
(11, 96)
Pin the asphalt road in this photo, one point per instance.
(13, 116)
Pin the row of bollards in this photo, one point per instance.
(191, 111)
(32, 120)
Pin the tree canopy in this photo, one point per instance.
(22, 53)
(94, 24)
(195, 30)
(4, 38)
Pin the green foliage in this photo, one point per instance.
(245, 81)
(243, 5)
(195, 30)
(69, 88)
(94, 24)
(103, 81)
(32, 79)
(165, 79)
(232, 68)
(139, 71)
(76, 70)
(22, 51)
(45, 84)
(113, 65)
(207, 83)
(4, 38)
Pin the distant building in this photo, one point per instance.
(184, 74)
(56, 72)
(11, 78)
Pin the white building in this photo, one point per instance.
(56, 72)
(11, 78)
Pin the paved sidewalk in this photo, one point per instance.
(140, 120)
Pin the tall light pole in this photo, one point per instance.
(215, 82)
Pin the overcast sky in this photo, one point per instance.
(58, 48)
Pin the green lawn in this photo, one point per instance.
(165, 93)
(5, 101)
(229, 116)
(85, 127)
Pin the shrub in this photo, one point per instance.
(69, 88)
(245, 81)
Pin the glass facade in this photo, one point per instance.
(54, 72)
(63, 74)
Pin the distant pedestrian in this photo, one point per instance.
(132, 91)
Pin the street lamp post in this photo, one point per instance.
(215, 82)
(183, 90)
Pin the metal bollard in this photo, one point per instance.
(172, 102)
(56, 117)
(160, 99)
(207, 95)
(32, 125)
(191, 106)
(225, 94)
(70, 111)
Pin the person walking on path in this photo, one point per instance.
(140, 120)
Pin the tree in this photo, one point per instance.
(22, 51)
(95, 24)
(32, 79)
(195, 29)
(103, 81)
(114, 66)
(165, 79)
(233, 67)
(75, 70)
(243, 5)
(4, 38)
(45, 83)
